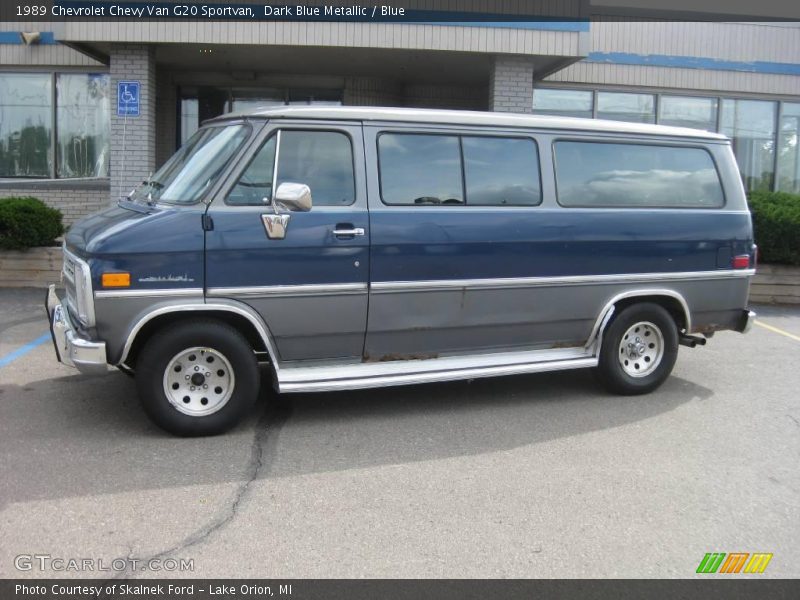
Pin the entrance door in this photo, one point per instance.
(311, 285)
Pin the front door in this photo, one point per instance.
(311, 285)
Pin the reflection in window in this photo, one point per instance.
(565, 103)
(635, 175)
(323, 160)
(501, 171)
(26, 125)
(254, 187)
(420, 169)
(788, 151)
(190, 118)
(751, 126)
(82, 122)
(684, 111)
(618, 106)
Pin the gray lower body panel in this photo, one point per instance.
(434, 321)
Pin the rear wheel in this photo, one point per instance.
(197, 377)
(639, 350)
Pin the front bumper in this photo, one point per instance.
(86, 356)
(745, 323)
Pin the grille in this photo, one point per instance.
(69, 269)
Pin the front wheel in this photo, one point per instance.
(639, 350)
(197, 377)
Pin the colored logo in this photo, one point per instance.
(735, 562)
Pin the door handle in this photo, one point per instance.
(350, 231)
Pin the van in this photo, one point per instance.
(357, 248)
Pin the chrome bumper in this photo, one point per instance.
(86, 356)
(746, 321)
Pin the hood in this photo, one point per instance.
(120, 230)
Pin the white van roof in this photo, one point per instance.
(467, 118)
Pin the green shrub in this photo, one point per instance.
(776, 221)
(27, 222)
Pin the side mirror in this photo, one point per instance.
(295, 197)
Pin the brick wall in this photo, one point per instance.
(74, 202)
(511, 84)
(133, 139)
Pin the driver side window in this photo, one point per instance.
(254, 187)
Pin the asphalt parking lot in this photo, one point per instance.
(527, 476)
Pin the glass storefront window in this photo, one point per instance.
(685, 111)
(564, 103)
(82, 125)
(26, 125)
(788, 151)
(190, 118)
(622, 106)
(751, 126)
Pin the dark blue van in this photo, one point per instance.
(364, 247)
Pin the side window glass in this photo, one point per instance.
(420, 169)
(323, 160)
(254, 187)
(636, 175)
(501, 171)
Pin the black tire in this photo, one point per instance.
(610, 369)
(220, 340)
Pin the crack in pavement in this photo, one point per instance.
(265, 439)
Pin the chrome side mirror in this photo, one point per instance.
(294, 197)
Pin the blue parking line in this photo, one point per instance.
(12, 356)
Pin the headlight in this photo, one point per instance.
(78, 282)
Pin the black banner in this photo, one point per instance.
(404, 589)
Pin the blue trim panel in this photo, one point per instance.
(694, 62)
(12, 37)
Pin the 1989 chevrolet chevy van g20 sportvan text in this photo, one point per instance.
(365, 247)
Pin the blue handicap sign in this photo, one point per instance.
(128, 99)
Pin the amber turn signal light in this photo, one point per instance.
(116, 280)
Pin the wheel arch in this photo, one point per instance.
(242, 317)
(672, 301)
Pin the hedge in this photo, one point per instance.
(26, 222)
(776, 221)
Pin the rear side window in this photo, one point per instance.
(420, 169)
(636, 175)
(427, 169)
(501, 171)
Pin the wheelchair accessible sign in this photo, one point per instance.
(128, 98)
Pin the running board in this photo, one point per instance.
(407, 372)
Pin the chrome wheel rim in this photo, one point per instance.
(198, 381)
(641, 349)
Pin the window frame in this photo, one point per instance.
(276, 132)
(460, 135)
(636, 142)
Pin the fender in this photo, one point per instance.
(230, 306)
(595, 337)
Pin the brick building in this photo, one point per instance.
(61, 138)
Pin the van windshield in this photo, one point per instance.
(192, 170)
